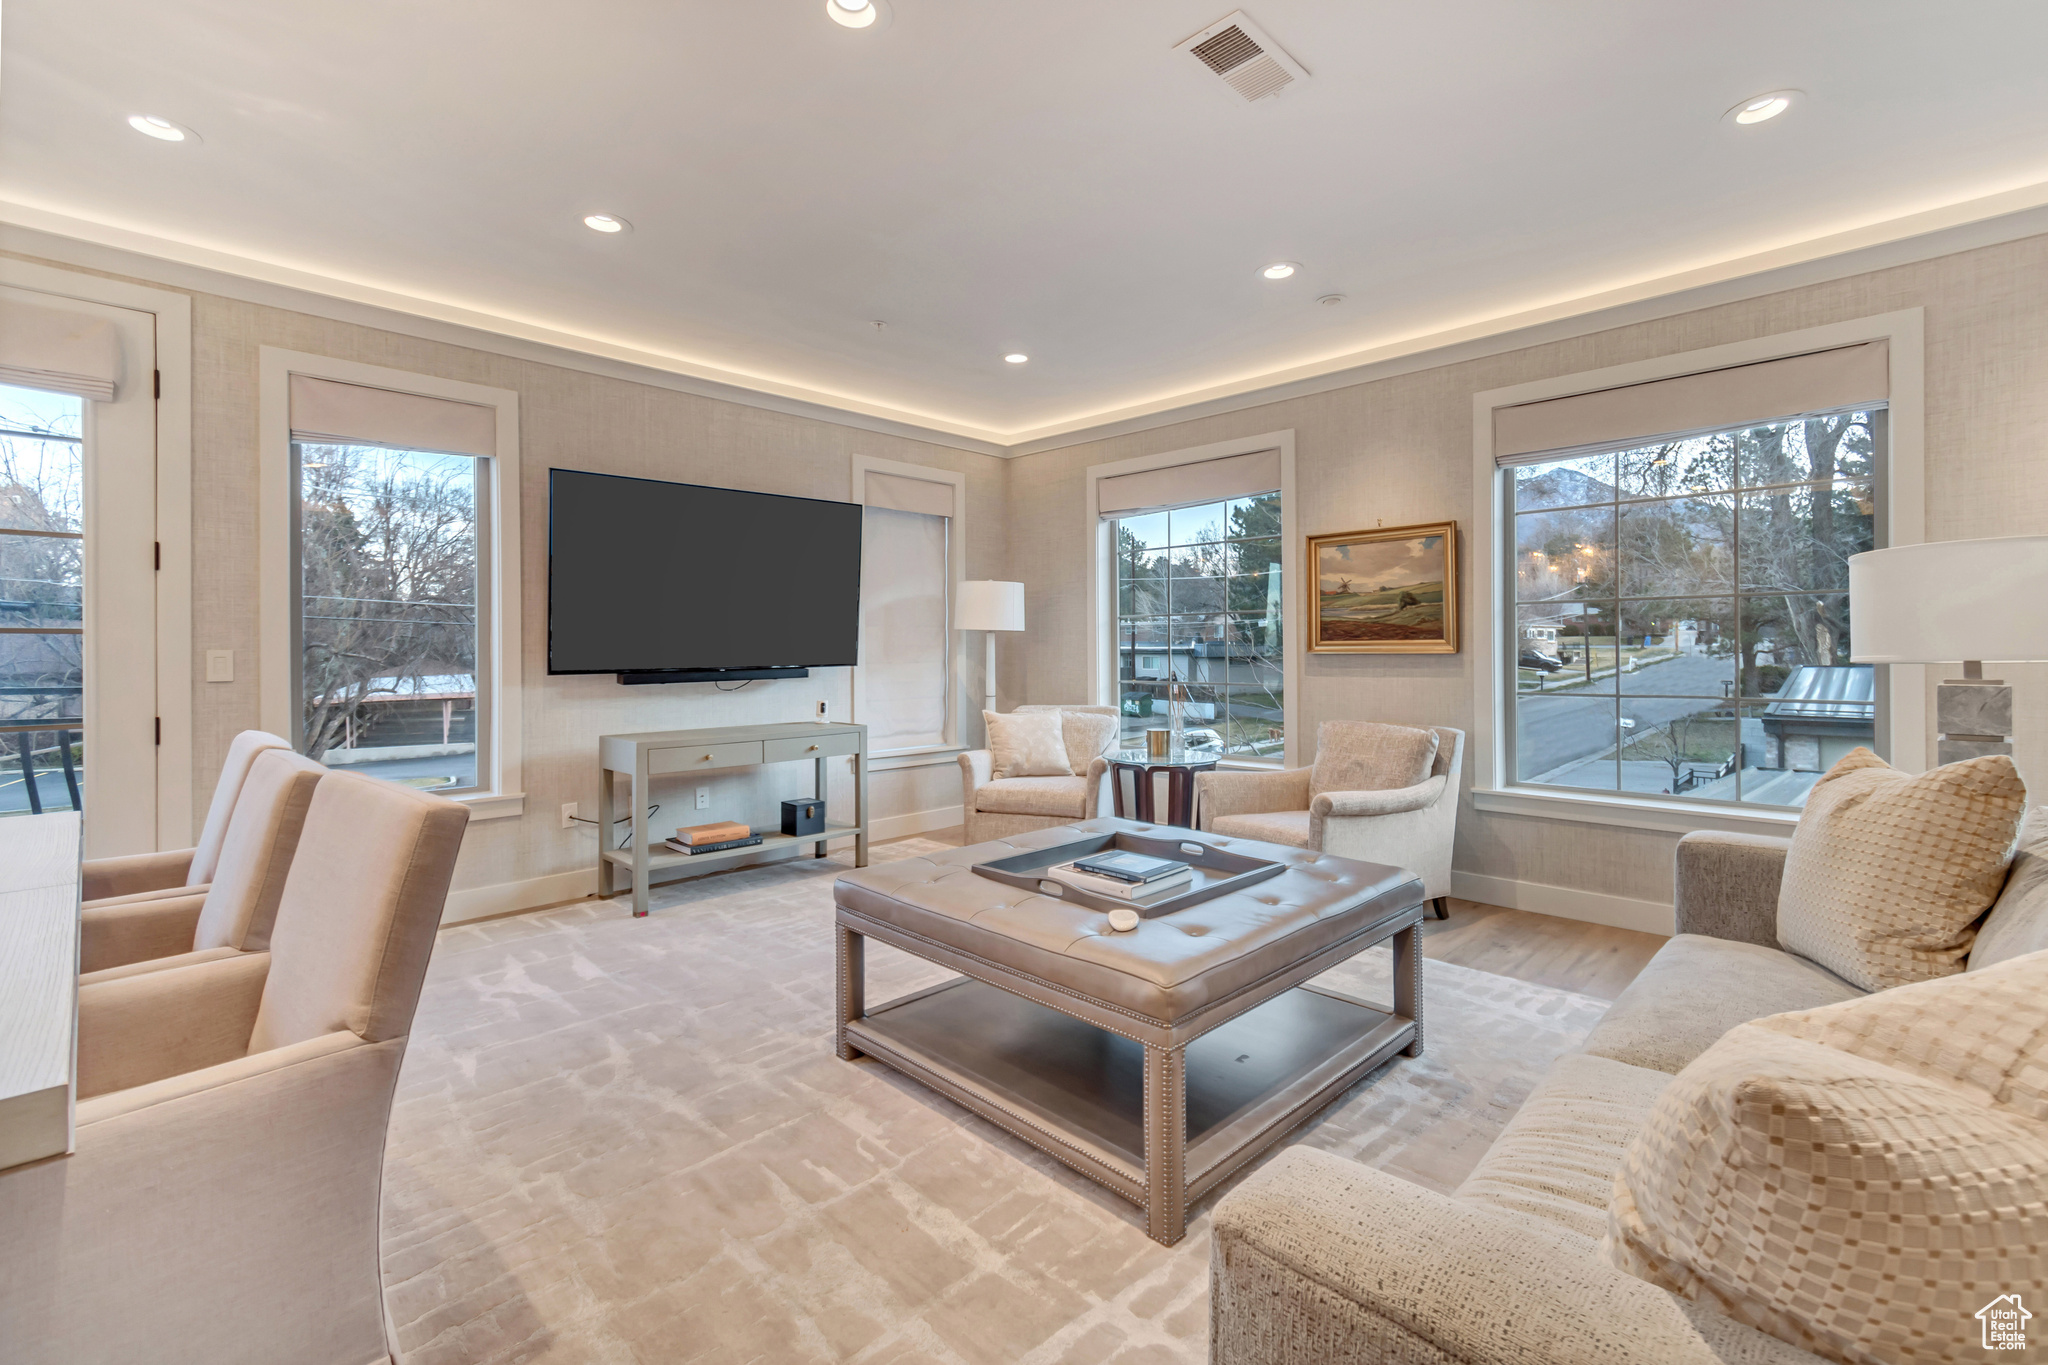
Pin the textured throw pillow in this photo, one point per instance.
(1888, 872)
(1026, 744)
(2018, 922)
(1857, 1180)
(1362, 756)
(1087, 736)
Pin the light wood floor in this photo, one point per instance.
(1566, 954)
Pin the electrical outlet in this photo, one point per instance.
(703, 798)
(568, 815)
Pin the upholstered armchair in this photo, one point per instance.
(1369, 803)
(221, 1202)
(185, 871)
(994, 807)
(234, 912)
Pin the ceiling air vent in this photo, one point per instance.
(1248, 61)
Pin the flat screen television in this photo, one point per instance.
(679, 582)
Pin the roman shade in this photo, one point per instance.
(1838, 380)
(58, 350)
(901, 493)
(906, 646)
(1189, 485)
(333, 413)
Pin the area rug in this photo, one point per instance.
(628, 1141)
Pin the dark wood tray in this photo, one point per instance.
(1216, 873)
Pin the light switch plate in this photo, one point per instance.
(220, 665)
(703, 798)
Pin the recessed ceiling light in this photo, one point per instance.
(149, 125)
(1279, 270)
(1762, 107)
(605, 222)
(1016, 357)
(1330, 300)
(852, 13)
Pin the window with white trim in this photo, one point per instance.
(911, 555)
(390, 551)
(1677, 610)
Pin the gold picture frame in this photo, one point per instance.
(1391, 590)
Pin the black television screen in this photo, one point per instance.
(645, 575)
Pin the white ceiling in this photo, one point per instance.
(1049, 176)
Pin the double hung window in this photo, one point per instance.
(1199, 607)
(912, 553)
(1680, 621)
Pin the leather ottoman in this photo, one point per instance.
(1157, 1061)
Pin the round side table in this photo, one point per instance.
(1180, 767)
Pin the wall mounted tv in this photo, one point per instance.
(678, 582)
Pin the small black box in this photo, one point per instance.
(803, 817)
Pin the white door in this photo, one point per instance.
(78, 713)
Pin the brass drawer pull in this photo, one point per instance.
(705, 759)
(814, 746)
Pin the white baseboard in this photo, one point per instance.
(914, 822)
(1592, 907)
(504, 898)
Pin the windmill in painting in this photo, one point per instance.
(1391, 591)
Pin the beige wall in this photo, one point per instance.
(1400, 450)
(575, 420)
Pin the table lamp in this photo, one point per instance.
(1968, 600)
(989, 606)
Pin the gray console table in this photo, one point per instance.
(670, 753)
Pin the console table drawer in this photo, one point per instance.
(824, 746)
(696, 758)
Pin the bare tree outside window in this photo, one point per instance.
(42, 671)
(1683, 612)
(387, 545)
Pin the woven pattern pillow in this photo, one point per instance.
(1087, 735)
(1888, 871)
(1857, 1180)
(1364, 756)
(1026, 744)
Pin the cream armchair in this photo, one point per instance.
(1410, 826)
(185, 871)
(995, 808)
(235, 911)
(221, 1204)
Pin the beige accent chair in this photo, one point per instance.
(233, 913)
(1409, 827)
(995, 808)
(146, 876)
(221, 1204)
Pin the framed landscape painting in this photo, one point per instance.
(1388, 591)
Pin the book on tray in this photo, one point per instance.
(718, 846)
(1125, 866)
(717, 832)
(1169, 884)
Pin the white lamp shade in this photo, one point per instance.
(985, 604)
(1950, 601)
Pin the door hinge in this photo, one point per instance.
(159, 730)
(159, 383)
(159, 555)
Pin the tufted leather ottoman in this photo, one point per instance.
(1157, 1061)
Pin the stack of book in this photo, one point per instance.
(711, 838)
(1127, 876)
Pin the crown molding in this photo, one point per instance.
(1944, 230)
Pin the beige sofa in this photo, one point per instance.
(221, 1204)
(995, 808)
(1412, 827)
(1318, 1259)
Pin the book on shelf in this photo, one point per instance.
(1170, 884)
(717, 832)
(678, 846)
(1126, 866)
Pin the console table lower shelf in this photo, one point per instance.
(1082, 1094)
